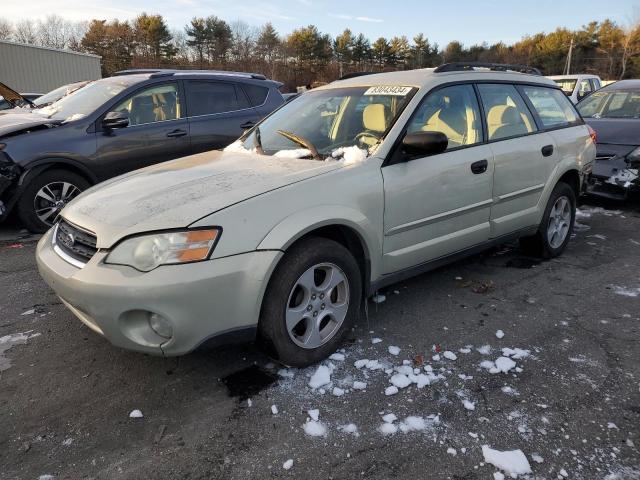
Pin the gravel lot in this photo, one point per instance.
(572, 404)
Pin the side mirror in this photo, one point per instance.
(424, 143)
(114, 120)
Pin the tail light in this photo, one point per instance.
(592, 134)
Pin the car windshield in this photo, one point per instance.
(566, 84)
(86, 100)
(337, 122)
(57, 94)
(611, 104)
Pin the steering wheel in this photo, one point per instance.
(361, 135)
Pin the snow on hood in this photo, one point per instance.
(348, 155)
(177, 193)
(11, 122)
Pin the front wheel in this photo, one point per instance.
(312, 300)
(556, 227)
(46, 195)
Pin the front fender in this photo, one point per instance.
(295, 226)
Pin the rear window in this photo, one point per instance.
(566, 85)
(206, 98)
(554, 109)
(257, 95)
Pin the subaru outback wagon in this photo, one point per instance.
(118, 124)
(349, 188)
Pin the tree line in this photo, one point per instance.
(307, 55)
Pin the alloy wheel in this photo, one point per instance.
(317, 305)
(559, 222)
(52, 198)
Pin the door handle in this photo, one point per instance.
(177, 133)
(547, 150)
(247, 125)
(479, 167)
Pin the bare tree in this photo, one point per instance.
(25, 32)
(51, 32)
(6, 30)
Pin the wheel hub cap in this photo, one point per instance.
(559, 222)
(317, 305)
(52, 198)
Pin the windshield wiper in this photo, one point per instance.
(257, 141)
(303, 142)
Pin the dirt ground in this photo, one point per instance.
(571, 403)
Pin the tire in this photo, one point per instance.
(558, 216)
(287, 297)
(51, 183)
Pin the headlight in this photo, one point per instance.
(634, 156)
(147, 252)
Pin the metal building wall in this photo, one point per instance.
(30, 69)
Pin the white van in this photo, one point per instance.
(576, 87)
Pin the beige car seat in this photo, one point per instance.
(375, 120)
(456, 120)
(505, 121)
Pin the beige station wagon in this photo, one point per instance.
(344, 190)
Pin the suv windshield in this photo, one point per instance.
(566, 85)
(326, 123)
(611, 104)
(86, 100)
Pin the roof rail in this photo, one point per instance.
(134, 71)
(161, 72)
(500, 67)
(354, 75)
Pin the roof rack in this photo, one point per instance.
(354, 75)
(499, 67)
(162, 72)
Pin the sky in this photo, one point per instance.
(442, 21)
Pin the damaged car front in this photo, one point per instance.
(614, 114)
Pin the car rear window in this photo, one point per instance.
(257, 95)
(554, 109)
(206, 98)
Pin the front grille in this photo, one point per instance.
(76, 243)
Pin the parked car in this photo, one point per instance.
(614, 113)
(9, 98)
(577, 87)
(349, 188)
(119, 124)
(58, 93)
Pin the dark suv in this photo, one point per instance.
(119, 124)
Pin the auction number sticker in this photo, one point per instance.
(388, 90)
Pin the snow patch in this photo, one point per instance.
(512, 462)
(350, 155)
(322, 376)
(393, 350)
(499, 334)
(288, 464)
(136, 414)
(314, 428)
(8, 341)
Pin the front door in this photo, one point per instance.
(440, 204)
(157, 132)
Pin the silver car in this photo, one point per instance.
(344, 190)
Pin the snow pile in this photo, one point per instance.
(288, 464)
(393, 350)
(376, 340)
(502, 364)
(136, 414)
(499, 334)
(238, 147)
(314, 414)
(314, 428)
(512, 462)
(293, 153)
(623, 177)
(449, 355)
(321, 377)
(338, 357)
(515, 353)
(350, 155)
(624, 291)
(359, 385)
(350, 428)
(274, 409)
(9, 341)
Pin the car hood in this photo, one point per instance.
(176, 194)
(16, 120)
(616, 131)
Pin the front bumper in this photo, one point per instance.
(201, 300)
(612, 175)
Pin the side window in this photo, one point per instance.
(506, 113)
(553, 107)
(453, 111)
(584, 88)
(206, 98)
(595, 84)
(257, 95)
(155, 104)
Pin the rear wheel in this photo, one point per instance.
(312, 300)
(556, 227)
(46, 195)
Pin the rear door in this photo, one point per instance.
(218, 113)
(524, 158)
(157, 131)
(440, 204)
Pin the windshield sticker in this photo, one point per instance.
(388, 90)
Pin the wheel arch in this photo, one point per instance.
(49, 163)
(572, 178)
